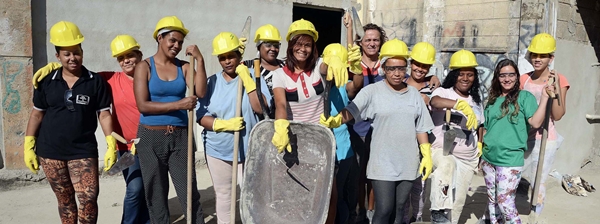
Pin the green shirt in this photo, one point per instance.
(506, 138)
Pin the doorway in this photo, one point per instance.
(327, 21)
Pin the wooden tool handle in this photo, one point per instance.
(118, 137)
(190, 161)
(448, 113)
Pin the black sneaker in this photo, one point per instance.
(438, 217)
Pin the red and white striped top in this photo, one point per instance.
(303, 93)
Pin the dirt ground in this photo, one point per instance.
(25, 201)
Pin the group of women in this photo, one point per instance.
(386, 115)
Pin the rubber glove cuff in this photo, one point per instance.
(479, 149)
(110, 157)
(43, 72)
(242, 71)
(29, 156)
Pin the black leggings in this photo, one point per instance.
(390, 197)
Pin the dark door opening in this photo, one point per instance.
(327, 21)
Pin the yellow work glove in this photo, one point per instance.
(354, 59)
(336, 69)
(110, 157)
(464, 107)
(43, 72)
(244, 74)
(242, 46)
(281, 140)
(426, 162)
(132, 150)
(29, 155)
(479, 149)
(233, 124)
(332, 121)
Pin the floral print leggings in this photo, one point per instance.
(501, 185)
(74, 177)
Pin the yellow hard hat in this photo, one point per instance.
(65, 34)
(302, 27)
(267, 33)
(336, 49)
(542, 43)
(122, 44)
(463, 59)
(424, 53)
(225, 42)
(171, 23)
(393, 48)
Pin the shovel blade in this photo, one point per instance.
(449, 137)
(126, 160)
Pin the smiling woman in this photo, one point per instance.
(159, 87)
(66, 110)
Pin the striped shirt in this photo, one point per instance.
(303, 93)
(264, 73)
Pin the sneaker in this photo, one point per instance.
(370, 215)
(438, 217)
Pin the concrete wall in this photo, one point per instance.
(101, 21)
(15, 88)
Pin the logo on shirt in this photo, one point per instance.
(82, 99)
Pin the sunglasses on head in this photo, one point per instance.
(69, 100)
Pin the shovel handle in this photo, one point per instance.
(118, 137)
(326, 103)
(448, 113)
(261, 100)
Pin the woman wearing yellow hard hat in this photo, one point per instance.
(504, 142)
(421, 59)
(298, 87)
(458, 98)
(66, 110)
(541, 55)
(398, 114)
(159, 88)
(216, 114)
(268, 42)
(125, 120)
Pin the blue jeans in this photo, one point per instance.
(134, 204)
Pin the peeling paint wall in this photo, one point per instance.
(15, 86)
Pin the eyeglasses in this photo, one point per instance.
(270, 45)
(394, 68)
(504, 75)
(69, 100)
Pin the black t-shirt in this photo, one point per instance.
(69, 123)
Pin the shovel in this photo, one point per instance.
(126, 160)
(449, 134)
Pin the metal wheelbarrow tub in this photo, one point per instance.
(289, 188)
